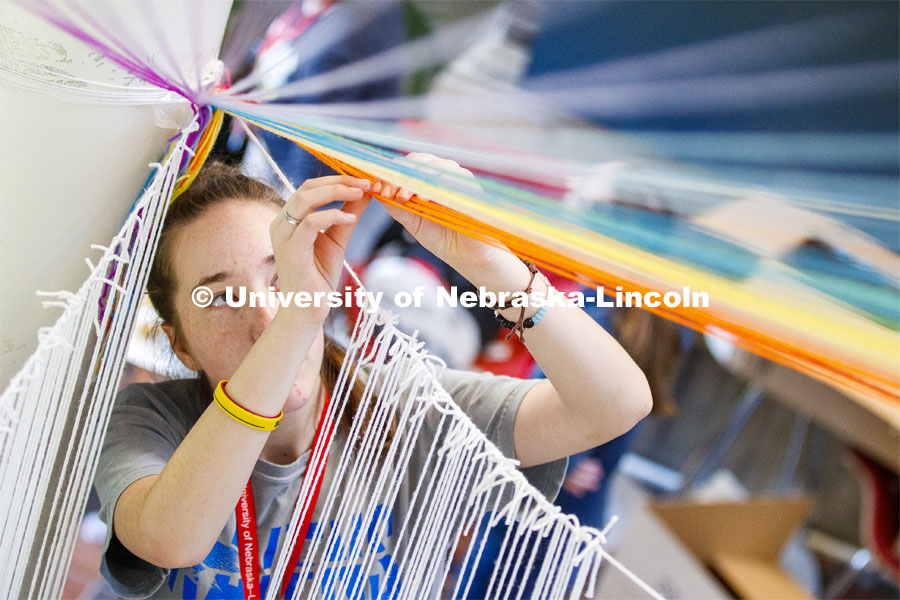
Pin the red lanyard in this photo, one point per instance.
(245, 513)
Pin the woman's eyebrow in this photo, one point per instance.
(269, 260)
(213, 278)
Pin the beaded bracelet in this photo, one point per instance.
(241, 414)
(518, 327)
(527, 323)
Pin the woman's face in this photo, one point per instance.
(229, 245)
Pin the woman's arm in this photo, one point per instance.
(173, 519)
(594, 392)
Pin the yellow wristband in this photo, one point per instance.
(241, 414)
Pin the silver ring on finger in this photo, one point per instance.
(291, 220)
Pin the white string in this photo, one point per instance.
(422, 53)
(61, 399)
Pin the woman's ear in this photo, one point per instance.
(179, 348)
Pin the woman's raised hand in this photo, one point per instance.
(450, 246)
(309, 254)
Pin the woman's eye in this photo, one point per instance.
(275, 281)
(218, 300)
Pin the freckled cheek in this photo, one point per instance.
(216, 345)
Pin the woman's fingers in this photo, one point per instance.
(347, 180)
(342, 232)
(423, 157)
(305, 201)
(443, 166)
(308, 230)
(388, 190)
(314, 197)
(391, 192)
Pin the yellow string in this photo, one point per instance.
(204, 146)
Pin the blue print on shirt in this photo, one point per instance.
(223, 588)
(221, 557)
(350, 576)
(227, 582)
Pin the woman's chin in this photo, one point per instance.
(295, 402)
(297, 399)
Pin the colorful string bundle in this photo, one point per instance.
(600, 208)
(787, 319)
(832, 317)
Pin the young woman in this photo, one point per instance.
(175, 465)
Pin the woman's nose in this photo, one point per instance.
(260, 317)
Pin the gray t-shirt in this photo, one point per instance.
(148, 423)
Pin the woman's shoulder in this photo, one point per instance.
(466, 386)
(175, 400)
(172, 390)
(460, 383)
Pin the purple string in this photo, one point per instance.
(151, 22)
(193, 138)
(126, 59)
(132, 65)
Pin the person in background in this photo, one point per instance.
(342, 33)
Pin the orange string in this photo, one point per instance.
(792, 353)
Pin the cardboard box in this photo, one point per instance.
(693, 550)
(740, 542)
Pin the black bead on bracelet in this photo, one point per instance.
(526, 323)
(518, 327)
